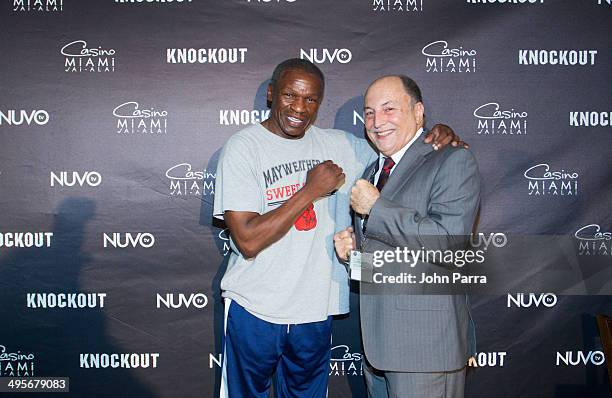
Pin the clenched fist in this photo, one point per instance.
(363, 196)
(344, 242)
(324, 178)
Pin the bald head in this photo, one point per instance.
(410, 87)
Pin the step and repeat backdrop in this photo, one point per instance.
(112, 117)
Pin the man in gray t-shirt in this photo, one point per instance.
(296, 279)
(282, 188)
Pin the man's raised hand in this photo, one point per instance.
(324, 178)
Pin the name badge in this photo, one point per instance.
(360, 265)
(355, 265)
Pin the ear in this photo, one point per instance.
(419, 112)
(269, 93)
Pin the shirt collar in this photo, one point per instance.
(397, 156)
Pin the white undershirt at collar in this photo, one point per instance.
(397, 156)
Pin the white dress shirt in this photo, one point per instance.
(397, 156)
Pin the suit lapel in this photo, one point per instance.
(414, 157)
(369, 172)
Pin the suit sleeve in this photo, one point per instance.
(453, 202)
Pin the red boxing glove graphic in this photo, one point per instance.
(307, 220)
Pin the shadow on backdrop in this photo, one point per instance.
(56, 336)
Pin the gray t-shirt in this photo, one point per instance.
(297, 279)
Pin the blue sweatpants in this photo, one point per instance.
(256, 349)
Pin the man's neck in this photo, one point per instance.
(397, 156)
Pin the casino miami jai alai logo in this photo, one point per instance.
(35, 6)
(544, 181)
(80, 58)
(15, 364)
(442, 58)
(494, 120)
(184, 181)
(593, 240)
(132, 119)
(343, 362)
(397, 5)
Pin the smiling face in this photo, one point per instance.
(391, 116)
(295, 100)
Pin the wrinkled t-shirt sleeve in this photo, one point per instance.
(236, 186)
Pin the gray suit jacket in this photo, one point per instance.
(430, 200)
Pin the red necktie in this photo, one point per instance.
(385, 173)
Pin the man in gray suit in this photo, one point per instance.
(416, 345)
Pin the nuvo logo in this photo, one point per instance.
(326, 55)
(80, 58)
(72, 178)
(442, 58)
(494, 120)
(494, 239)
(592, 240)
(215, 360)
(544, 181)
(122, 240)
(575, 358)
(528, 300)
(131, 118)
(38, 5)
(17, 117)
(397, 5)
(357, 118)
(181, 300)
